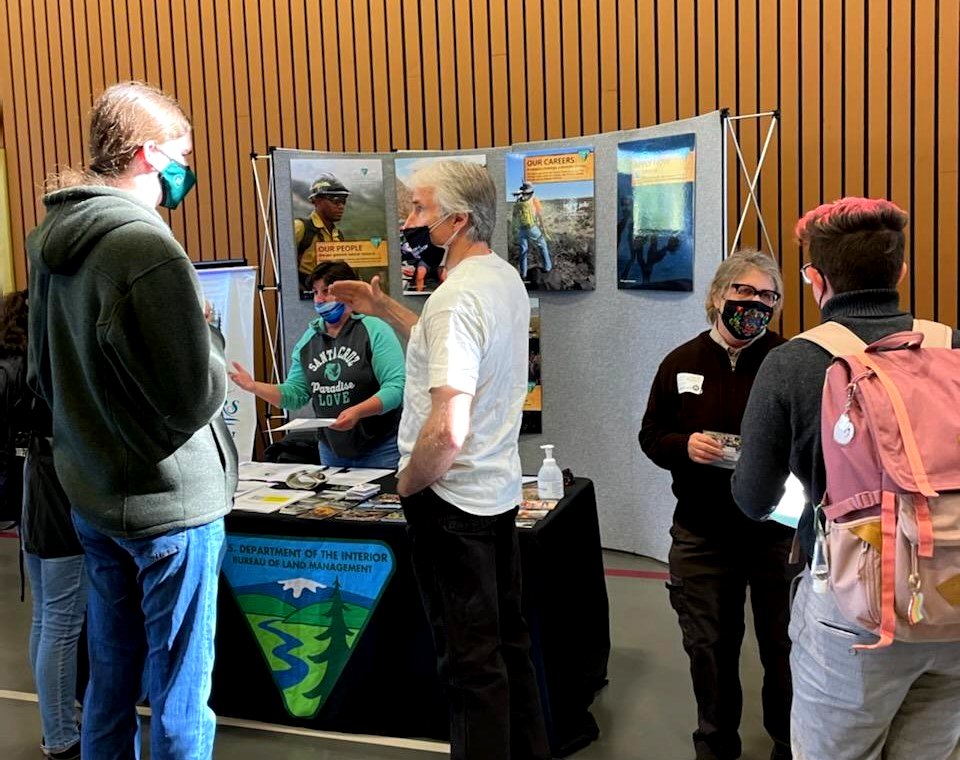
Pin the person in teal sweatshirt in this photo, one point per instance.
(121, 350)
(350, 367)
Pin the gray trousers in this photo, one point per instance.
(898, 703)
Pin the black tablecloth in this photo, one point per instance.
(389, 686)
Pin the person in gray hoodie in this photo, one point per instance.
(120, 348)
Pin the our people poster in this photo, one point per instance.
(550, 196)
(339, 212)
(655, 213)
(420, 277)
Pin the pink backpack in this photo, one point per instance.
(890, 427)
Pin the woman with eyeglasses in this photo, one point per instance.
(691, 427)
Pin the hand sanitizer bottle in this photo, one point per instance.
(549, 479)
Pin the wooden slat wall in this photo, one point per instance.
(867, 93)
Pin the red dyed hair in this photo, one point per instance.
(857, 243)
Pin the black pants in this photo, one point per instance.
(708, 582)
(468, 570)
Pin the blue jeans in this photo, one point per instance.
(384, 456)
(897, 703)
(524, 236)
(153, 603)
(59, 591)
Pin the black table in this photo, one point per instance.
(389, 685)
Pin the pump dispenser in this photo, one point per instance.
(549, 479)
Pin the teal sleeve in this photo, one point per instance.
(388, 362)
(293, 390)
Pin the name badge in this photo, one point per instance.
(687, 382)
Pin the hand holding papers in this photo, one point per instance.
(731, 448)
(308, 423)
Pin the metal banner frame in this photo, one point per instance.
(268, 277)
(752, 180)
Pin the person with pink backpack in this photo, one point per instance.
(865, 411)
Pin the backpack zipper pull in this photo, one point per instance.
(915, 608)
(843, 429)
(819, 566)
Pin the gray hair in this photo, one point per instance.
(734, 267)
(462, 187)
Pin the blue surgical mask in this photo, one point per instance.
(176, 180)
(330, 311)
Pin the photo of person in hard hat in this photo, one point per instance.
(329, 198)
(527, 227)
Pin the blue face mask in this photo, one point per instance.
(330, 311)
(176, 180)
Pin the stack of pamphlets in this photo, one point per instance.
(267, 499)
(532, 507)
(362, 491)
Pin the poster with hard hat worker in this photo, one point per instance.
(551, 217)
(422, 270)
(339, 213)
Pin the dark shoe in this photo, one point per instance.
(70, 753)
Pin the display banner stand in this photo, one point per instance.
(268, 282)
(752, 179)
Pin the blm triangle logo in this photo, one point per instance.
(307, 602)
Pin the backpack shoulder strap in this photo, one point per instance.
(935, 334)
(834, 338)
(310, 232)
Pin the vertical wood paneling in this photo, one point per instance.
(553, 67)
(748, 80)
(726, 52)
(769, 84)
(347, 74)
(922, 218)
(499, 71)
(646, 83)
(810, 169)
(666, 61)
(900, 155)
(706, 57)
(330, 82)
(400, 77)
(589, 68)
(948, 162)
(463, 84)
(572, 104)
(482, 72)
(831, 105)
(298, 76)
(878, 100)
(854, 51)
(866, 90)
(788, 164)
(686, 58)
(517, 72)
(627, 63)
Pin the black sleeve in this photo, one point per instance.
(767, 434)
(658, 437)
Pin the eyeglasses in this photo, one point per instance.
(338, 200)
(769, 297)
(803, 272)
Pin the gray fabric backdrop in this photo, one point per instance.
(600, 349)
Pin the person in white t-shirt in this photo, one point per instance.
(459, 478)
